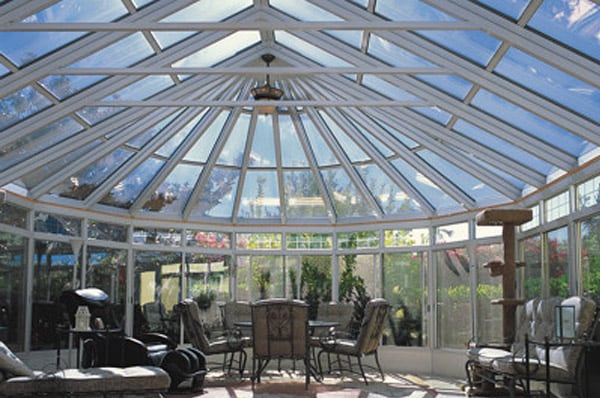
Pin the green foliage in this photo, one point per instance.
(315, 283)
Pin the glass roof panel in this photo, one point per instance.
(393, 54)
(465, 181)
(351, 37)
(434, 113)
(430, 191)
(409, 10)
(95, 114)
(260, 196)
(391, 198)
(141, 3)
(233, 150)
(217, 196)
(352, 150)
(173, 143)
(64, 86)
(502, 146)
(302, 196)
(308, 50)
(475, 45)
(3, 70)
(292, 153)
(142, 89)
(381, 147)
(513, 8)
(262, 153)
(574, 23)
(528, 122)
(303, 10)
(37, 142)
(320, 148)
(20, 105)
(204, 146)
(347, 201)
(52, 169)
(454, 85)
(22, 48)
(388, 89)
(167, 39)
(220, 50)
(81, 184)
(142, 138)
(406, 141)
(174, 191)
(126, 192)
(125, 52)
(551, 82)
(208, 11)
(78, 11)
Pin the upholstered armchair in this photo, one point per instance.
(366, 343)
(228, 345)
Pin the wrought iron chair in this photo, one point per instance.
(366, 343)
(228, 345)
(279, 331)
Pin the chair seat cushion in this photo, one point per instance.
(485, 356)
(340, 346)
(537, 369)
(92, 381)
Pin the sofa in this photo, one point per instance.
(18, 380)
(540, 352)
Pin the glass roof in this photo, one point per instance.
(392, 109)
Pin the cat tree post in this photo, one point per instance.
(509, 219)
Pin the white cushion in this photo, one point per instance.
(11, 364)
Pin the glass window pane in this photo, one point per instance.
(453, 298)
(391, 198)
(220, 50)
(393, 54)
(258, 241)
(157, 236)
(125, 52)
(53, 267)
(574, 23)
(475, 45)
(157, 282)
(452, 233)
(263, 146)
(20, 105)
(126, 191)
(550, 82)
(174, 191)
(451, 84)
(208, 275)
(57, 224)
(13, 215)
(107, 270)
(233, 150)
(358, 240)
(558, 262)
(292, 153)
(217, 196)
(260, 196)
(557, 206)
(203, 147)
(212, 240)
(311, 51)
(404, 288)
(346, 198)
(309, 241)
(590, 257)
(302, 195)
(588, 193)
(409, 10)
(12, 290)
(513, 8)
(106, 231)
(531, 274)
(407, 237)
(489, 317)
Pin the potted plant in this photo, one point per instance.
(205, 298)
(263, 281)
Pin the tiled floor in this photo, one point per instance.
(291, 384)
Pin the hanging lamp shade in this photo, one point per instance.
(266, 91)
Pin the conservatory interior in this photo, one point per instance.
(337, 150)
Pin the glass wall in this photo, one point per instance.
(440, 292)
